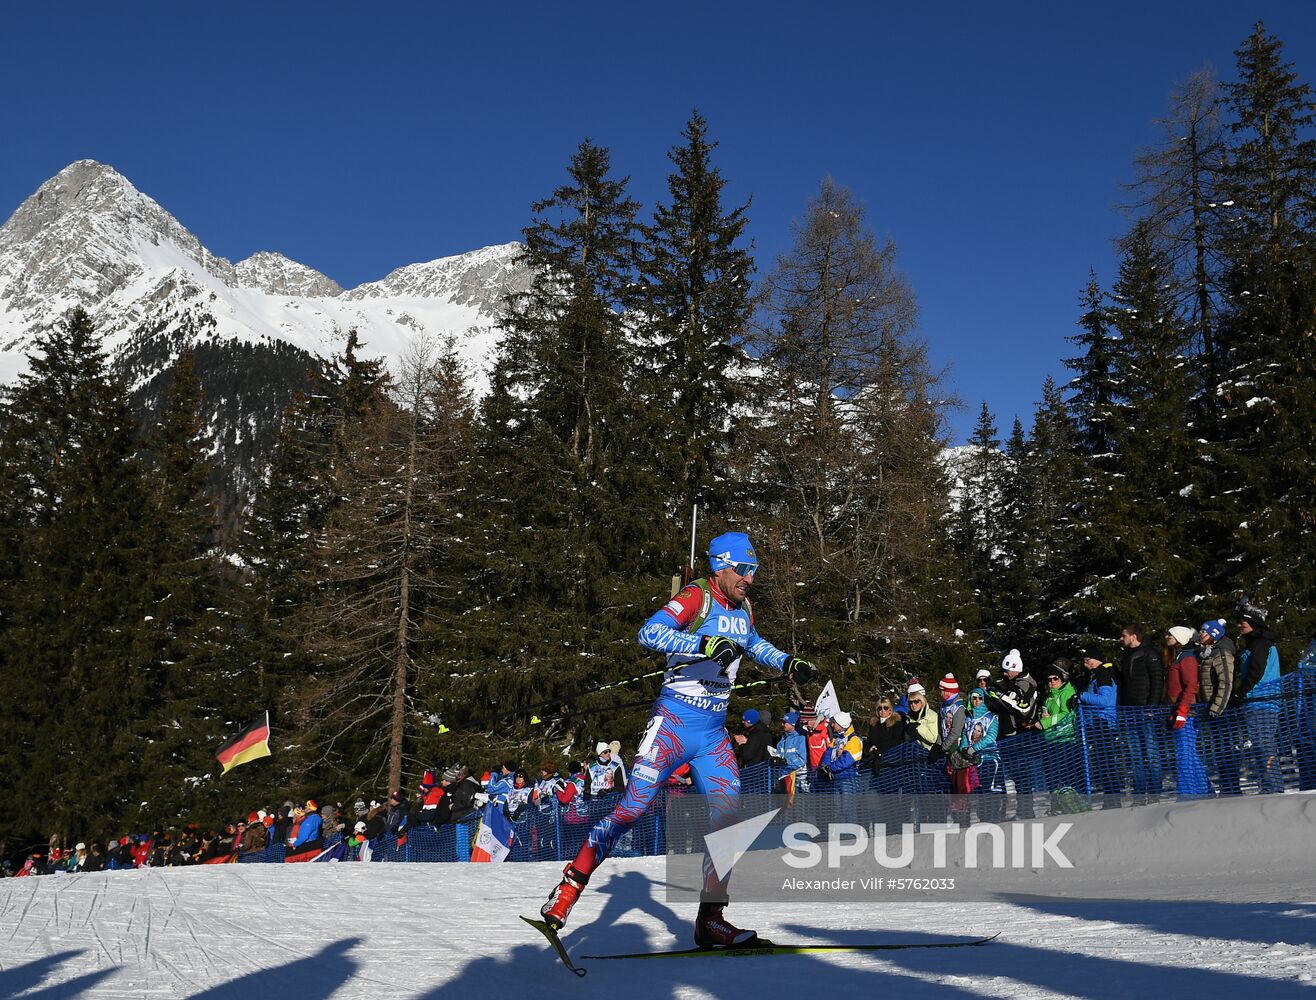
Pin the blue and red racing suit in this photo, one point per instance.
(688, 724)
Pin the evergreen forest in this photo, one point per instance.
(420, 577)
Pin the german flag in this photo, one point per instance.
(252, 742)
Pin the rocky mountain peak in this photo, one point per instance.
(480, 279)
(276, 274)
(85, 233)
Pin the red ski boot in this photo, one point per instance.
(712, 930)
(563, 898)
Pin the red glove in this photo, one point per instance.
(1179, 721)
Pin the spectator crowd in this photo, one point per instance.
(1199, 706)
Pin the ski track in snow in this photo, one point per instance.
(437, 931)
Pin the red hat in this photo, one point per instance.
(949, 685)
(428, 780)
(253, 818)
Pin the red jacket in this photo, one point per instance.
(818, 742)
(1181, 682)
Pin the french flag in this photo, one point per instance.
(334, 852)
(494, 841)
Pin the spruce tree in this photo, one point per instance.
(185, 514)
(693, 305)
(1265, 498)
(576, 543)
(980, 525)
(1093, 391)
(1095, 405)
(75, 602)
(848, 495)
(1141, 554)
(1052, 475)
(1014, 580)
(188, 635)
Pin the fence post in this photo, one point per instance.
(657, 849)
(557, 827)
(1087, 751)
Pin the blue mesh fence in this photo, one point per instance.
(274, 854)
(1106, 757)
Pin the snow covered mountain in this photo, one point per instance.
(274, 273)
(88, 237)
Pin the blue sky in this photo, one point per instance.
(988, 141)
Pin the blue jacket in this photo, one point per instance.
(678, 628)
(309, 831)
(794, 749)
(1099, 699)
(843, 753)
(985, 726)
(499, 785)
(1260, 682)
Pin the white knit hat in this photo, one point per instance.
(842, 719)
(916, 688)
(984, 672)
(1012, 662)
(1183, 635)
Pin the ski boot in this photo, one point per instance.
(563, 898)
(712, 930)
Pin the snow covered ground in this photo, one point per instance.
(372, 931)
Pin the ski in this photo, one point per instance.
(557, 944)
(764, 947)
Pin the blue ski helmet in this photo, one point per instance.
(732, 549)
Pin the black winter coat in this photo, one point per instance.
(1141, 677)
(882, 736)
(459, 802)
(755, 748)
(1258, 644)
(1015, 702)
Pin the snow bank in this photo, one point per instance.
(380, 931)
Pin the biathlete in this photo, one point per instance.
(704, 630)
